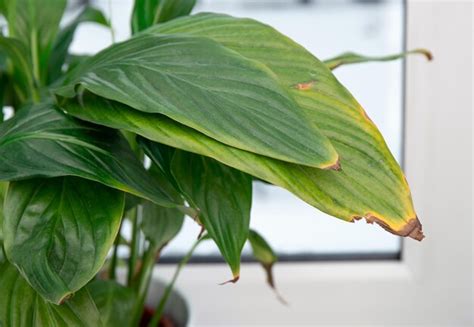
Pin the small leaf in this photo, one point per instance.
(41, 141)
(223, 197)
(68, 223)
(65, 37)
(201, 84)
(114, 301)
(349, 58)
(160, 225)
(150, 12)
(21, 306)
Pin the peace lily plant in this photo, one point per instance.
(214, 102)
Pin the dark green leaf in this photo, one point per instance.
(36, 24)
(371, 183)
(115, 302)
(20, 70)
(349, 58)
(41, 141)
(160, 225)
(3, 192)
(65, 37)
(150, 12)
(21, 306)
(223, 197)
(203, 85)
(68, 223)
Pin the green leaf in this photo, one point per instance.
(3, 192)
(349, 58)
(20, 69)
(160, 225)
(150, 12)
(115, 302)
(35, 24)
(21, 306)
(41, 141)
(65, 37)
(223, 197)
(68, 223)
(203, 85)
(371, 183)
(264, 254)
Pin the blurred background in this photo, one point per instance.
(327, 28)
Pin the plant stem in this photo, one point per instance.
(148, 262)
(133, 246)
(161, 305)
(113, 261)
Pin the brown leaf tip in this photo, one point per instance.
(336, 166)
(231, 281)
(412, 229)
(305, 86)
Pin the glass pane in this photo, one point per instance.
(326, 28)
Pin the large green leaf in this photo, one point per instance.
(36, 24)
(65, 37)
(21, 306)
(150, 12)
(203, 85)
(115, 302)
(371, 183)
(300, 180)
(41, 141)
(58, 231)
(223, 197)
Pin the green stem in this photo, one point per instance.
(161, 305)
(148, 262)
(133, 246)
(114, 260)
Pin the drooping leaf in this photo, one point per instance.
(36, 24)
(65, 37)
(223, 197)
(21, 306)
(114, 301)
(350, 58)
(150, 12)
(264, 254)
(300, 180)
(58, 231)
(371, 183)
(203, 85)
(41, 141)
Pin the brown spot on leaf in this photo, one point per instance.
(305, 86)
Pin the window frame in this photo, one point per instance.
(432, 283)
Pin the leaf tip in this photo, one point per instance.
(231, 281)
(412, 228)
(335, 166)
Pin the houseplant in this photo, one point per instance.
(213, 101)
